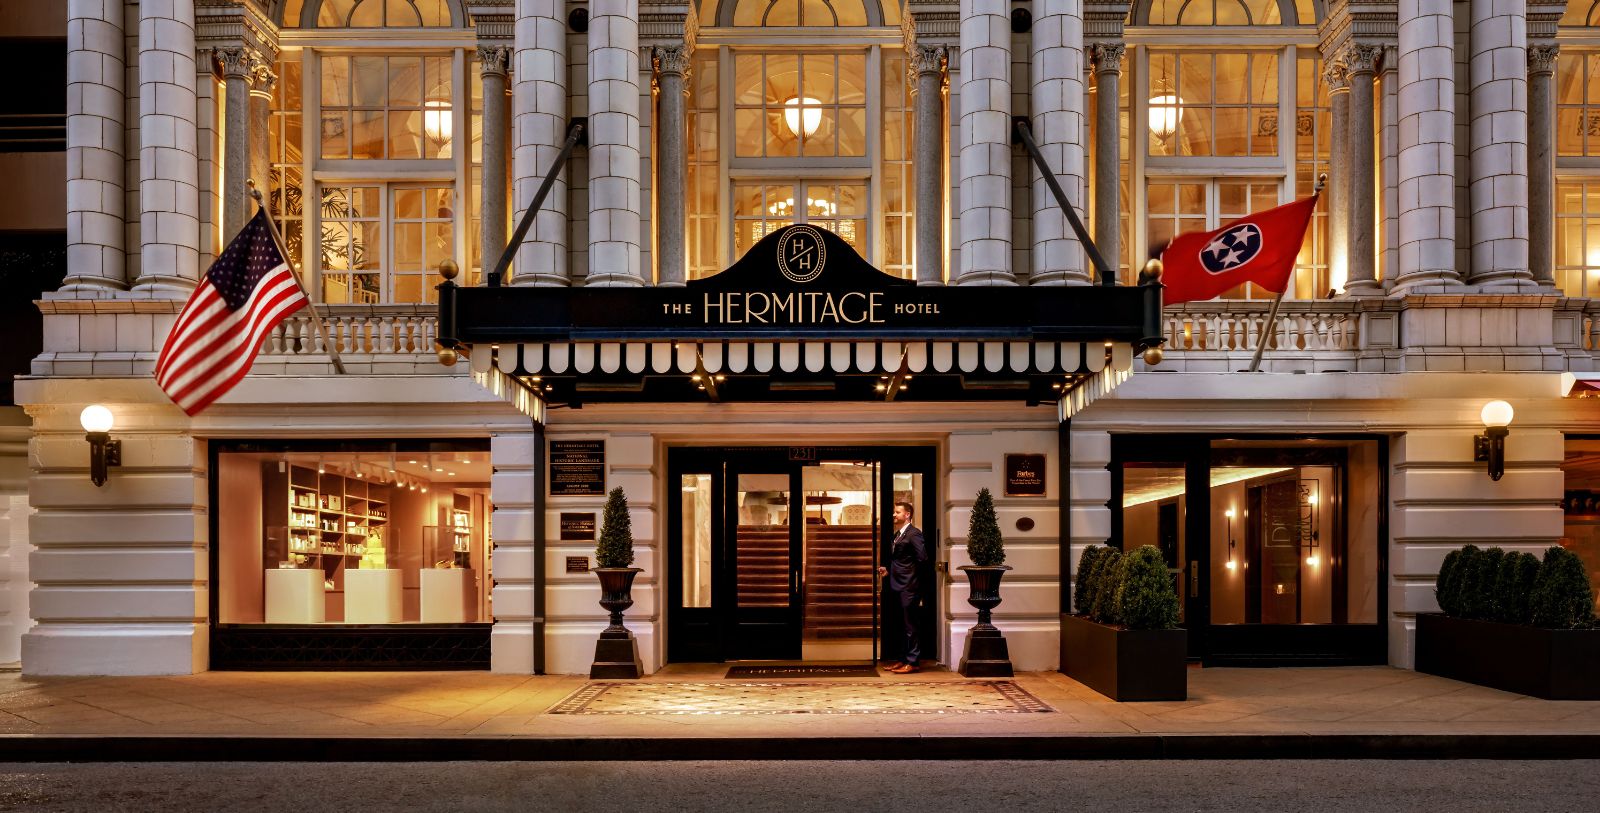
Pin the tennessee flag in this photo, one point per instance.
(1259, 248)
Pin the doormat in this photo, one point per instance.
(827, 698)
(803, 670)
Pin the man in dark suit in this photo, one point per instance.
(906, 557)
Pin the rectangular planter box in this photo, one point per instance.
(1126, 664)
(1552, 664)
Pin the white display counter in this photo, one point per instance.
(295, 596)
(372, 596)
(447, 596)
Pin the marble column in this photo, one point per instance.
(928, 163)
(985, 132)
(1107, 147)
(539, 121)
(1057, 123)
(1361, 65)
(492, 62)
(1498, 71)
(262, 83)
(1542, 163)
(614, 166)
(672, 261)
(1390, 140)
(236, 204)
(1427, 147)
(1337, 78)
(96, 259)
(169, 184)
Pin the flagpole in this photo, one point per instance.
(316, 318)
(1272, 313)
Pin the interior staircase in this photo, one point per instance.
(839, 577)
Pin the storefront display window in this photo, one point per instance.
(390, 533)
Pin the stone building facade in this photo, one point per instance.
(1449, 266)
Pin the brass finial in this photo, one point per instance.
(1153, 355)
(448, 269)
(447, 356)
(1151, 272)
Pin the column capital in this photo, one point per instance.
(237, 61)
(1361, 57)
(262, 79)
(493, 59)
(1542, 58)
(929, 59)
(1108, 56)
(1337, 75)
(673, 60)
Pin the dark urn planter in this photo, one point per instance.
(616, 654)
(1124, 664)
(986, 654)
(1552, 664)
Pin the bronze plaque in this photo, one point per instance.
(577, 526)
(577, 468)
(577, 564)
(1025, 475)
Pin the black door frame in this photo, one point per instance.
(708, 634)
(1253, 644)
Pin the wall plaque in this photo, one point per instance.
(577, 564)
(1025, 475)
(577, 526)
(577, 468)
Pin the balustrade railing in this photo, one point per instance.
(358, 330)
(1235, 326)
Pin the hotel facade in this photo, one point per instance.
(434, 505)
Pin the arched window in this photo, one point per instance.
(376, 147)
(1216, 132)
(1581, 13)
(810, 13)
(371, 14)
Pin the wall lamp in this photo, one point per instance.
(1231, 564)
(1490, 447)
(103, 451)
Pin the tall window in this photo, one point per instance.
(1577, 137)
(1209, 142)
(384, 139)
(810, 125)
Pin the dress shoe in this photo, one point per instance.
(907, 668)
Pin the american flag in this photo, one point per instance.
(246, 292)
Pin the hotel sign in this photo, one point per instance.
(799, 282)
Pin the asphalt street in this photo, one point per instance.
(922, 786)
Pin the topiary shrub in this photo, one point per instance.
(1081, 597)
(1562, 597)
(1477, 587)
(1146, 598)
(1108, 574)
(1451, 578)
(984, 546)
(1513, 588)
(615, 548)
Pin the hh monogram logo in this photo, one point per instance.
(801, 254)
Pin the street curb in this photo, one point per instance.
(65, 748)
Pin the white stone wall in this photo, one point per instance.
(95, 148)
(1499, 142)
(512, 489)
(14, 515)
(1427, 158)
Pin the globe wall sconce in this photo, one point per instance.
(1490, 447)
(104, 452)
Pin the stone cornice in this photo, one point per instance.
(231, 23)
(1543, 18)
(668, 24)
(494, 20)
(934, 22)
(1104, 20)
(1367, 22)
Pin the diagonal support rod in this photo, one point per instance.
(574, 138)
(1024, 134)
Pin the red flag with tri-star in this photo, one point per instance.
(1259, 248)
(245, 293)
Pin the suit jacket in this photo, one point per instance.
(906, 558)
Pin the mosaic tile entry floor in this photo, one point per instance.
(832, 697)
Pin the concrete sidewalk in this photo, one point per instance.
(1372, 711)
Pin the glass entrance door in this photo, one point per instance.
(763, 515)
(837, 582)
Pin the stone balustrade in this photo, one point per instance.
(394, 339)
(1221, 335)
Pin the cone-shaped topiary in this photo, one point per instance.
(1562, 596)
(1146, 598)
(1477, 587)
(984, 546)
(1108, 574)
(1513, 588)
(615, 548)
(1081, 599)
